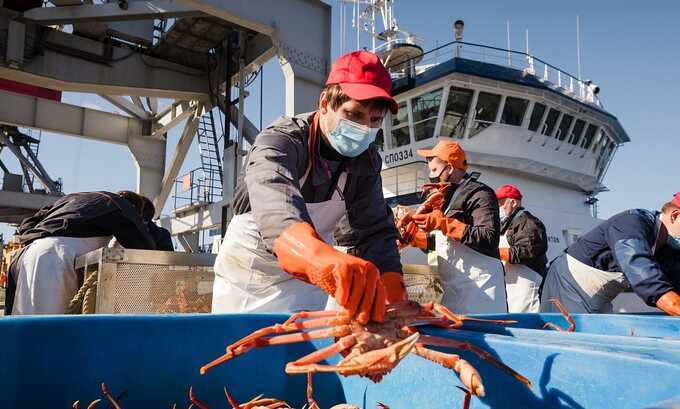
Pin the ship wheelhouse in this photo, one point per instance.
(547, 133)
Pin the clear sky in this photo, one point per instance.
(628, 47)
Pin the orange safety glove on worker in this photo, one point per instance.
(669, 303)
(436, 220)
(352, 281)
(505, 254)
(411, 235)
(394, 286)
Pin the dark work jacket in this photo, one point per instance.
(626, 243)
(527, 239)
(161, 237)
(475, 204)
(271, 191)
(89, 214)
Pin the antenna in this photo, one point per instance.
(578, 46)
(508, 37)
(358, 25)
(342, 27)
(526, 39)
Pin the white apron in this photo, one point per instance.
(248, 278)
(521, 285)
(46, 277)
(580, 287)
(473, 282)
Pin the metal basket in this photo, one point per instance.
(422, 283)
(148, 281)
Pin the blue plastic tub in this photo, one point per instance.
(638, 325)
(49, 362)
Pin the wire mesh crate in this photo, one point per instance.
(422, 283)
(149, 281)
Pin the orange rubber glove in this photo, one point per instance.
(505, 254)
(353, 282)
(411, 235)
(436, 220)
(669, 303)
(394, 285)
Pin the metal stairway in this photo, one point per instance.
(32, 143)
(209, 152)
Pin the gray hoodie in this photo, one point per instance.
(270, 189)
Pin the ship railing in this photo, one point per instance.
(545, 72)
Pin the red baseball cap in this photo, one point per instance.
(508, 192)
(362, 76)
(676, 199)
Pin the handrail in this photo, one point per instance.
(585, 90)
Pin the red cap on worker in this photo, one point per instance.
(676, 199)
(508, 192)
(362, 76)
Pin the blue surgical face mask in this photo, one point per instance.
(503, 216)
(673, 242)
(351, 139)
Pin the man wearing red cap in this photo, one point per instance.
(635, 249)
(309, 180)
(522, 247)
(460, 232)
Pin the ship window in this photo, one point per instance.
(401, 136)
(600, 141)
(563, 129)
(576, 133)
(380, 140)
(425, 113)
(536, 116)
(550, 121)
(455, 116)
(486, 110)
(401, 117)
(588, 137)
(513, 113)
(400, 128)
(604, 156)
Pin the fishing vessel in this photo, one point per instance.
(520, 120)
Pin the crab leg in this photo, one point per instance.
(468, 397)
(466, 346)
(302, 364)
(106, 393)
(458, 319)
(467, 373)
(324, 319)
(565, 313)
(231, 399)
(195, 401)
(310, 392)
(256, 402)
(241, 349)
(93, 404)
(378, 361)
(291, 325)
